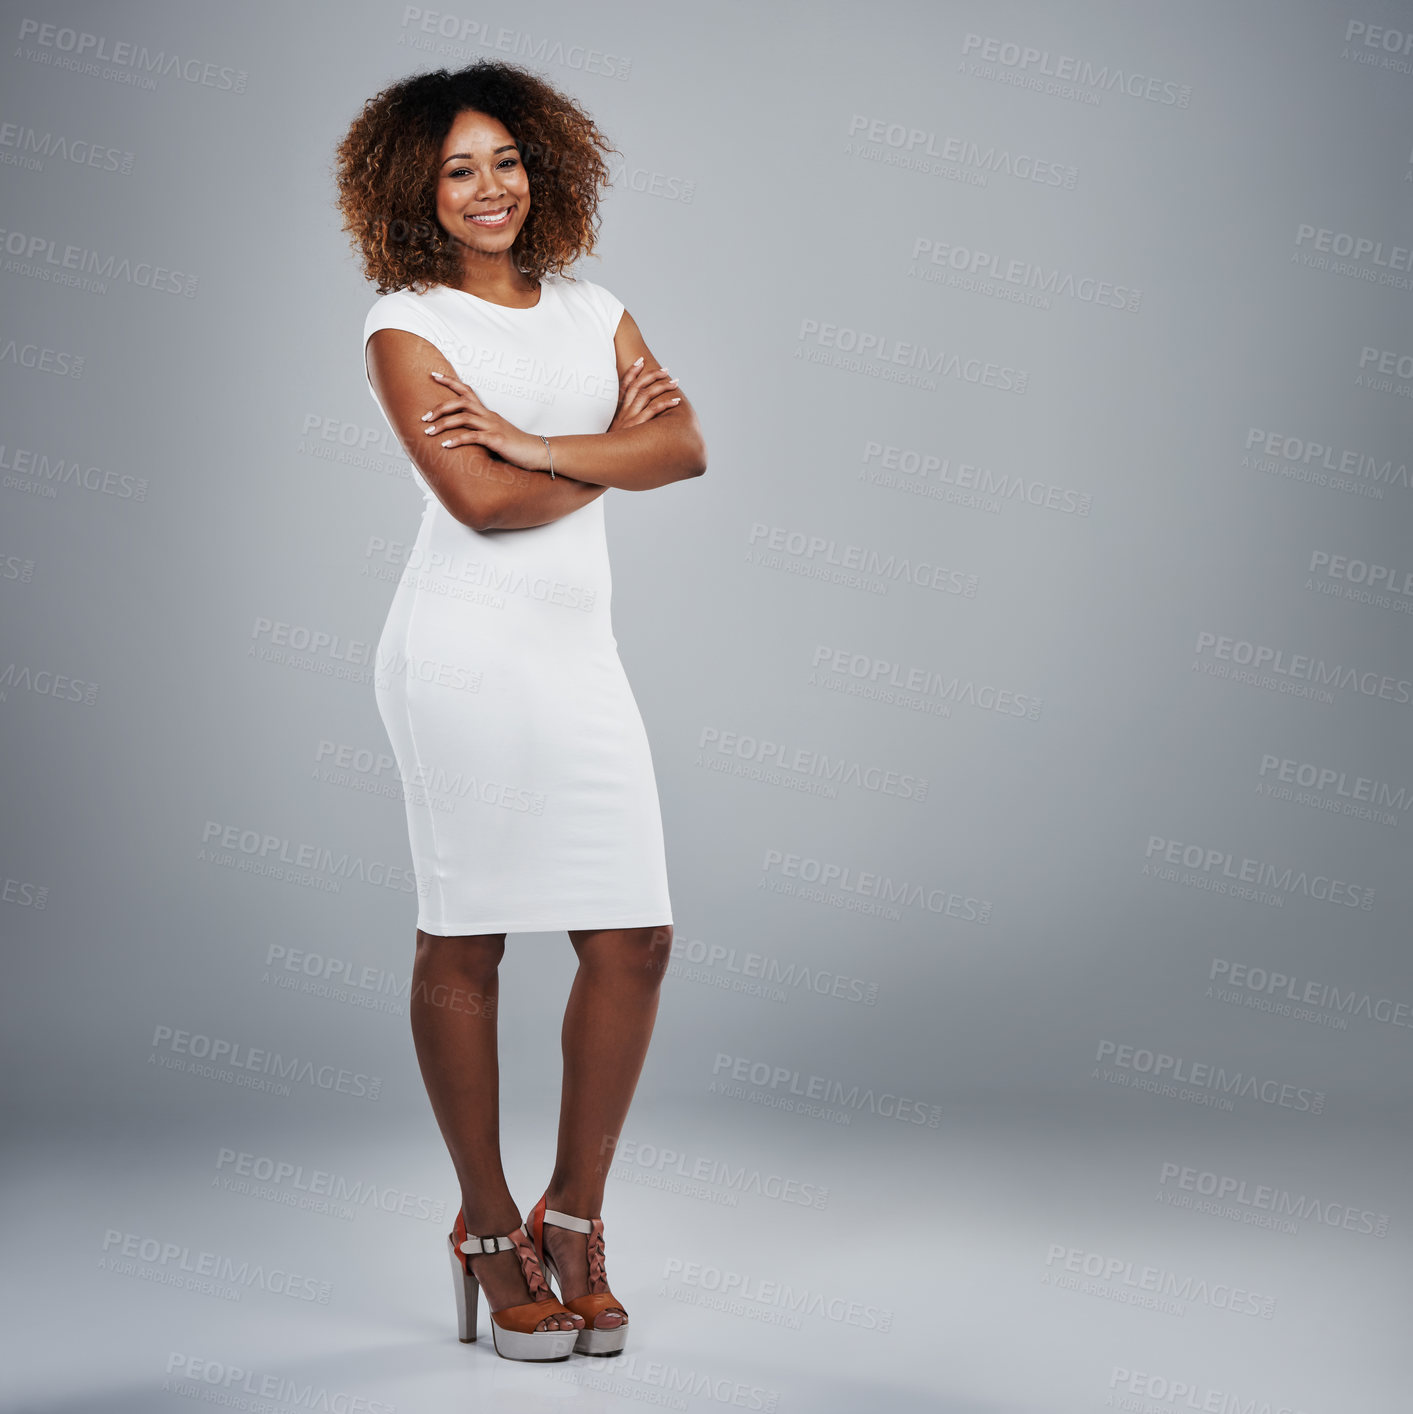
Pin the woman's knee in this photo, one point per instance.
(640, 954)
(476, 957)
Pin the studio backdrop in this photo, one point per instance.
(1028, 681)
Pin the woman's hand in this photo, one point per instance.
(464, 419)
(642, 396)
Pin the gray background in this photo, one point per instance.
(195, 478)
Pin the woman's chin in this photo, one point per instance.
(488, 243)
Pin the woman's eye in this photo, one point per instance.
(465, 171)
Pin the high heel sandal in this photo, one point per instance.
(512, 1327)
(593, 1339)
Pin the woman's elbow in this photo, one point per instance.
(690, 452)
(695, 461)
(484, 513)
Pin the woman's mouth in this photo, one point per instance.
(492, 219)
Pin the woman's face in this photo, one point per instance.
(481, 175)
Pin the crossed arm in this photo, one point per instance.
(491, 475)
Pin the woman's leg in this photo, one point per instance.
(455, 990)
(608, 1023)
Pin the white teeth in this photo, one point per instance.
(493, 220)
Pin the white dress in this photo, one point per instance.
(531, 800)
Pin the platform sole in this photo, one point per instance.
(509, 1345)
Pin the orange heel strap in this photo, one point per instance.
(525, 1317)
(528, 1314)
(592, 1307)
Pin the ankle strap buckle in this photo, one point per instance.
(483, 1246)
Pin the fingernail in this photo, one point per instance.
(636, 361)
(425, 416)
(429, 430)
(435, 374)
(675, 400)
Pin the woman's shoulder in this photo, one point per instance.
(598, 297)
(409, 298)
(406, 307)
(575, 281)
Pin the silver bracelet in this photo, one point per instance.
(550, 450)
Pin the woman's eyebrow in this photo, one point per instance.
(471, 156)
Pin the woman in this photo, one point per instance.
(521, 395)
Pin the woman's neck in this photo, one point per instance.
(500, 281)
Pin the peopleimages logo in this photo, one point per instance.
(810, 761)
(43, 360)
(1224, 872)
(1303, 459)
(39, 472)
(746, 1286)
(1199, 1075)
(669, 1386)
(456, 576)
(221, 1059)
(1261, 985)
(940, 477)
(1380, 37)
(1036, 64)
(1129, 1389)
(318, 642)
(337, 970)
(862, 673)
(44, 682)
(259, 852)
(45, 258)
(912, 147)
(1387, 586)
(773, 973)
(1378, 368)
(23, 146)
(825, 881)
(444, 32)
(881, 355)
(67, 48)
(123, 1250)
(1121, 1279)
(1359, 249)
(1264, 1200)
(242, 1172)
(1047, 280)
(634, 1157)
(216, 1382)
(1360, 794)
(859, 566)
(1274, 664)
(780, 1079)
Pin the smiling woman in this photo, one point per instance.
(398, 144)
(521, 395)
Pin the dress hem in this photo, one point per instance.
(443, 930)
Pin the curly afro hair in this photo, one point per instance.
(387, 166)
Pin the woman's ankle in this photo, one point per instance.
(493, 1218)
(578, 1200)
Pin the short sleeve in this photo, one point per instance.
(401, 309)
(608, 304)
